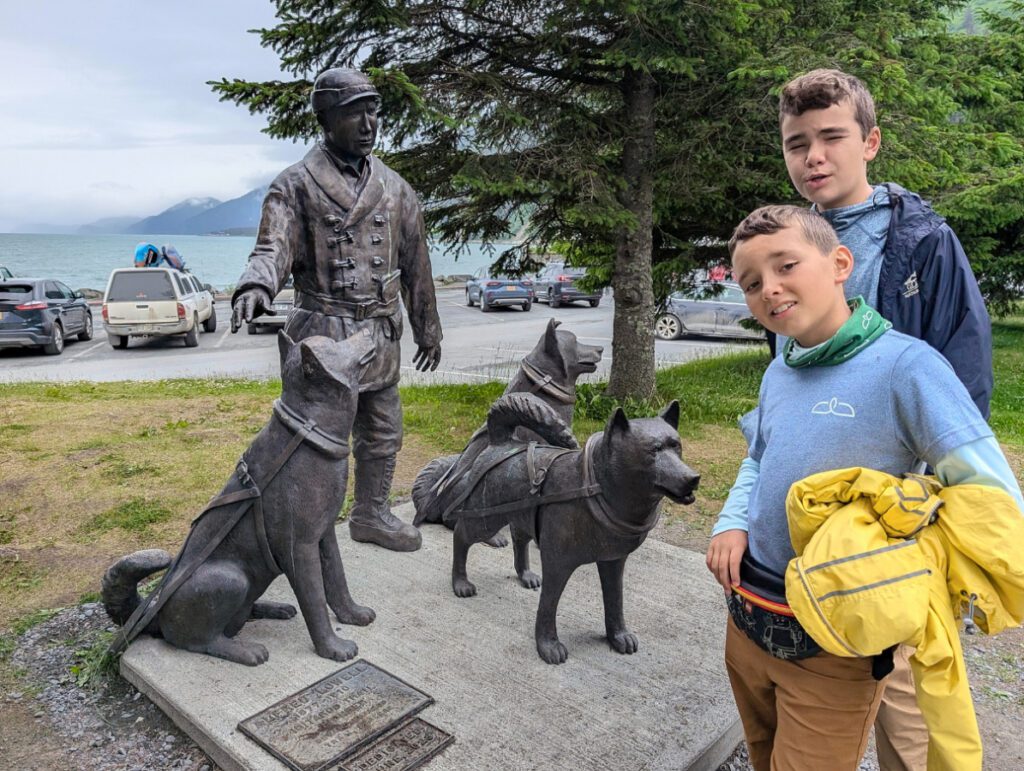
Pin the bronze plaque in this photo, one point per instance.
(407, 747)
(333, 718)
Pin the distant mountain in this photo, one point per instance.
(174, 220)
(107, 225)
(238, 214)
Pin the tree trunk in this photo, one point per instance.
(632, 371)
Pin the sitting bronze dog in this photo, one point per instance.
(275, 515)
(592, 505)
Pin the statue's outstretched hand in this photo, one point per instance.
(427, 357)
(248, 305)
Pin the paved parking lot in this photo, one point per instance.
(477, 347)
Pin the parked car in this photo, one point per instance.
(282, 305)
(156, 302)
(41, 312)
(708, 309)
(493, 290)
(5, 273)
(556, 285)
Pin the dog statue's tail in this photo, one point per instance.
(119, 588)
(522, 410)
(424, 496)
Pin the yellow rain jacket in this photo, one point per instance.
(883, 561)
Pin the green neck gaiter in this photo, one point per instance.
(859, 331)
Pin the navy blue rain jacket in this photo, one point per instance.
(927, 290)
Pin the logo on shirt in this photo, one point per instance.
(910, 286)
(834, 407)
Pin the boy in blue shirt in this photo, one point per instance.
(847, 390)
(910, 266)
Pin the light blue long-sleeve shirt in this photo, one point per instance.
(980, 462)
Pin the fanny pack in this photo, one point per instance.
(758, 607)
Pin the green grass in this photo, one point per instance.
(1007, 419)
(134, 515)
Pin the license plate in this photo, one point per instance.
(282, 307)
(511, 288)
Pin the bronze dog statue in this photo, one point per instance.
(275, 515)
(595, 504)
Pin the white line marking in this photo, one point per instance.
(90, 348)
(224, 336)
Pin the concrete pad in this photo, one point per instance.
(666, 707)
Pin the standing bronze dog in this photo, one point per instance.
(275, 515)
(581, 506)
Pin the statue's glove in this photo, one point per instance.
(427, 357)
(248, 305)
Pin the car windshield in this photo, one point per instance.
(140, 286)
(15, 291)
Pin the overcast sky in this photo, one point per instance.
(105, 111)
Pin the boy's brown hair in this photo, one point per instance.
(820, 89)
(771, 219)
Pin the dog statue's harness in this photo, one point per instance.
(492, 518)
(546, 384)
(250, 496)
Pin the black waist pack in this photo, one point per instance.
(758, 607)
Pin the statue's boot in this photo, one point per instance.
(371, 520)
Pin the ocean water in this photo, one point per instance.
(85, 262)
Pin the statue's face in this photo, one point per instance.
(351, 130)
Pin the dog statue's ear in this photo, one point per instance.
(671, 414)
(284, 344)
(617, 422)
(550, 338)
(312, 367)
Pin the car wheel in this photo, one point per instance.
(56, 345)
(86, 334)
(554, 302)
(485, 306)
(192, 336)
(469, 299)
(668, 327)
(252, 329)
(527, 305)
(210, 325)
(118, 341)
(595, 303)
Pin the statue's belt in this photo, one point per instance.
(332, 306)
(248, 497)
(590, 491)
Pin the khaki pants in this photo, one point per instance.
(811, 714)
(901, 736)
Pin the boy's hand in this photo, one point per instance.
(724, 555)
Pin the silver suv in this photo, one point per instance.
(144, 302)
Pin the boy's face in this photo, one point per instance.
(827, 157)
(791, 288)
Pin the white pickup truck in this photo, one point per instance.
(156, 302)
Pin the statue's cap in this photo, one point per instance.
(338, 86)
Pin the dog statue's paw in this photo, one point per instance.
(529, 579)
(498, 541)
(463, 587)
(251, 654)
(624, 641)
(337, 649)
(552, 651)
(357, 615)
(278, 610)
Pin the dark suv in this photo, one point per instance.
(556, 284)
(41, 312)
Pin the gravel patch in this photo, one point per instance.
(104, 727)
